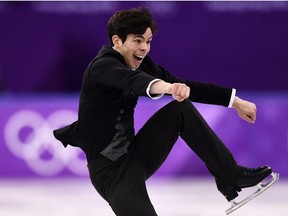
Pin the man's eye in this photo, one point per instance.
(138, 41)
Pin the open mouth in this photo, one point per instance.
(138, 58)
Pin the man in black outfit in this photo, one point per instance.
(120, 161)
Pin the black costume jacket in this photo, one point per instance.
(109, 94)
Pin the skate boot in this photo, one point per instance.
(249, 177)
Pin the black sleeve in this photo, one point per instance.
(199, 92)
(113, 73)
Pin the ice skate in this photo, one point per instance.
(260, 174)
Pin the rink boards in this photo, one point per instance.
(28, 148)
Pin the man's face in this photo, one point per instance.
(135, 48)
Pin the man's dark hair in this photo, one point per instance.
(133, 21)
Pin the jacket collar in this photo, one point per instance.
(108, 50)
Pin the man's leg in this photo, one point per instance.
(229, 176)
(156, 138)
(130, 198)
(122, 184)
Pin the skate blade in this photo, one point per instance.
(261, 188)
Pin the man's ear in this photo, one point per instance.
(116, 41)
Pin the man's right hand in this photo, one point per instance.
(180, 91)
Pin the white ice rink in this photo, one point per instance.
(171, 197)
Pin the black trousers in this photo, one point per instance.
(122, 183)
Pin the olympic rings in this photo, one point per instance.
(29, 136)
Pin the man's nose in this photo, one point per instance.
(144, 47)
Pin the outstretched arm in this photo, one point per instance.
(179, 91)
(245, 109)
